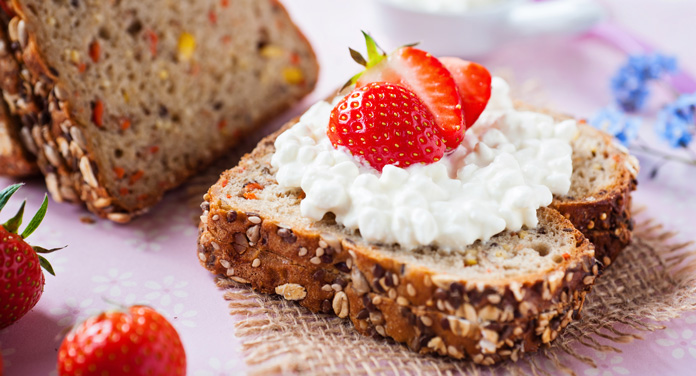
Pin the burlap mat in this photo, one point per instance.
(651, 282)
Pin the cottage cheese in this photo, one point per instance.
(510, 164)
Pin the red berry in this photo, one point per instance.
(21, 277)
(21, 282)
(385, 123)
(474, 83)
(425, 75)
(137, 342)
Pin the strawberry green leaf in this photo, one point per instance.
(352, 80)
(46, 265)
(6, 193)
(13, 224)
(374, 56)
(36, 221)
(357, 57)
(38, 249)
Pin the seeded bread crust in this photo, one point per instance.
(15, 160)
(331, 272)
(68, 158)
(604, 216)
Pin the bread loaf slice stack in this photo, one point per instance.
(495, 301)
(126, 99)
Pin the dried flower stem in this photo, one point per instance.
(667, 156)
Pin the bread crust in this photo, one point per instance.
(64, 155)
(605, 217)
(15, 159)
(430, 312)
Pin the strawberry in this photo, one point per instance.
(138, 341)
(385, 123)
(474, 84)
(421, 73)
(21, 278)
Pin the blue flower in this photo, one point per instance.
(624, 128)
(630, 83)
(676, 122)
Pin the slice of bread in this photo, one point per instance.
(495, 301)
(599, 201)
(126, 99)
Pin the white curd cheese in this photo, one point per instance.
(510, 164)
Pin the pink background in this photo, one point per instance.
(153, 259)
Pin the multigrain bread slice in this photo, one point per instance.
(15, 160)
(126, 99)
(495, 301)
(599, 201)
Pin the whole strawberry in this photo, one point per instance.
(21, 278)
(136, 342)
(384, 123)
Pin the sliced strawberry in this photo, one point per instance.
(384, 123)
(474, 83)
(425, 75)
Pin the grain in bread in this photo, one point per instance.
(127, 99)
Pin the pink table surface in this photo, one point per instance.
(153, 259)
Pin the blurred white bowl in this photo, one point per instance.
(475, 27)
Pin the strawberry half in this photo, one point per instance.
(424, 75)
(385, 123)
(139, 341)
(21, 278)
(474, 84)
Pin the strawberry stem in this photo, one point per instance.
(38, 217)
(6, 193)
(12, 225)
(119, 306)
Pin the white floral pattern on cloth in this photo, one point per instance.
(681, 343)
(6, 353)
(74, 310)
(113, 282)
(220, 368)
(608, 364)
(180, 315)
(151, 238)
(163, 292)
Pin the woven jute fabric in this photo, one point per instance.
(651, 282)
